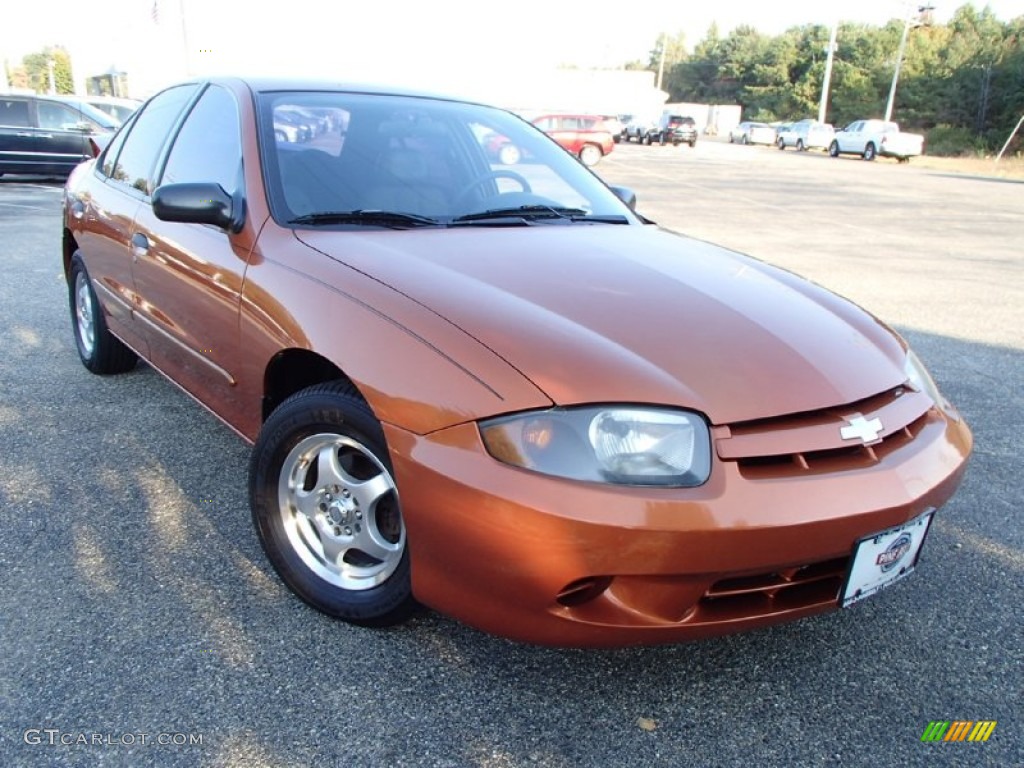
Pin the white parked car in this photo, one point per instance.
(752, 133)
(806, 134)
(871, 138)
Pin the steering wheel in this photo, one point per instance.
(460, 198)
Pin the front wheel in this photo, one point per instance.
(326, 508)
(99, 350)
(833, 149)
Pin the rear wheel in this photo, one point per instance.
(590, 155)
(509, 154)
(746, 139)
(833, 149)
(326, 509)
(800, 145)
(100, 351)
(869, 152)
(781, 144)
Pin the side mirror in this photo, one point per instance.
(626, 195)
(198, 204)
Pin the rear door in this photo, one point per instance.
(62, 136)
(108, 209)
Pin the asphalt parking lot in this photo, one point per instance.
(139, 615)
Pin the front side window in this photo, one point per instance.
(208, 147)
(136, 161)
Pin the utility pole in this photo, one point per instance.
(915, 21)
(661, 65)
(827, 82)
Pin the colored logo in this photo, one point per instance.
(891, 557)
(958, 730)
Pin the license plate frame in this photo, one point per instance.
(881, 559)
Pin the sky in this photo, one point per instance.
(447, 44)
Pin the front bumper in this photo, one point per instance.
(555, 562)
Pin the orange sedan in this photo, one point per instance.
(501, 394)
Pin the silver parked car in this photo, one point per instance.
(806, 134)
(752, 133)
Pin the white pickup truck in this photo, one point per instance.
(870, 138)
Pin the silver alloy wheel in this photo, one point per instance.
(85, 320)
(590, 155)
(339, 508)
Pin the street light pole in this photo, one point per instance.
(912, 20)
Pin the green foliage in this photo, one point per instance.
(950, 141)
(961, 83)
(37, 71)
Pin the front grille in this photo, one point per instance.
(809, 443)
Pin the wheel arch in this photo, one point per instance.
(68, 247)
(293, 370)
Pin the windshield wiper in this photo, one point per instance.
(370, 217)
(527, 213)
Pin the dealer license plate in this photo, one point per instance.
(882, 559)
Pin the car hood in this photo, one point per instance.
(610, 313)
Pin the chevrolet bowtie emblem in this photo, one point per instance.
(861, 429)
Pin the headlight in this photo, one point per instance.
(623, 445)
(921, 380)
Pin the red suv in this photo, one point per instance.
(585, 136)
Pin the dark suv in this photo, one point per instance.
(49, 135)
(675, 128)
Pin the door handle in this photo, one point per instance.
(140, 245)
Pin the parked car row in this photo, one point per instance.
(669, 128)
(867, 138)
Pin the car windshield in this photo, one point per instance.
(348, 157)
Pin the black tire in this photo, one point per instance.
(800, 145)
(99, 350)
(869, 152)
(746, 139)
(833, 149)
(693, 144)
(321, 486)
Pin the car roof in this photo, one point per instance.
(264, 84)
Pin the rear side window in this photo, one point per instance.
(14, 112)
(136, 160)
(209, 145)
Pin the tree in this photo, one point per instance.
(37, 70)
(965, 78)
